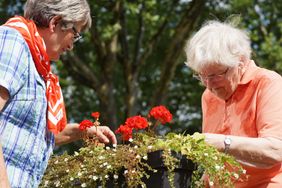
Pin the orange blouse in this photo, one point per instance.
(254, 110)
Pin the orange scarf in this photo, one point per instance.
(56, 115)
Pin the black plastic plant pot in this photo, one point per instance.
(182, 173)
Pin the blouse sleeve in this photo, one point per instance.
(269, 106)
(13, 56)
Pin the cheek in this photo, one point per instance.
(234, 81)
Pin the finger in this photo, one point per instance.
(103, 138)
(109, 133)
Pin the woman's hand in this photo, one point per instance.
(261, 152)
(103, 133)
(73, 133)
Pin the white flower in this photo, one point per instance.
(101, 157)
(66, 159)
(46, 183)
(135, 147)
(145, 157)
(79, 174)
(83, 185)
(56, 162)
(76, 153)
(91, 152)
(126, 171)
(211, 183)
(115, 176)
(133, 171)
(244, 171)
(236, 176)
(95, 178)
(109, 166)
(57, 183)
(108, 148)
(150, 147)
(105, 164)
(215, 158)
(217, 167)
(206, 154)
(137, 156)
(67, 171)
(130, 140)
(106, 176)
(114, 145)
(82, 166)
(71, 179)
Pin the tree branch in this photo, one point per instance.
(182, 32)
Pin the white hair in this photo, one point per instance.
(71, 11)
(217, 43)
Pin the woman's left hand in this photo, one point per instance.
(73, 133)
(103, 133)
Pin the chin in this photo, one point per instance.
(220, 94)
(54, 58)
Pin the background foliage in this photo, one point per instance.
(132, 57)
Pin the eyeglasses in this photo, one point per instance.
(77, 35)
(214, 77)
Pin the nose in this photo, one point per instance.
(209, 83)
(70, 47)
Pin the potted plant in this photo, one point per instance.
(173, 160)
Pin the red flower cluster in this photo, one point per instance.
(160, 113)
(135, 122)
(95, 115)
(125, 131)
(85, 124)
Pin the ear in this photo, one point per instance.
(242, 63)
(54, 22)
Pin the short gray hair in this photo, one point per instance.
(71, 11)
(217, 43)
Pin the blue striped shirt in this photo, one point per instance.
(27, 144)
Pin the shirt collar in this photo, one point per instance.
(248, 75)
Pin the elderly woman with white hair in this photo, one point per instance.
(32, 112)
(241, 106)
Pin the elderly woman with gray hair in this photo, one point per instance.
(32, 112)
(241, 106)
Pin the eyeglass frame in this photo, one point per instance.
(77, 35)
(210, 77)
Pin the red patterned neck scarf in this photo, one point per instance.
(56, 115)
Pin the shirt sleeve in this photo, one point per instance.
(13, 56)
(269, 106)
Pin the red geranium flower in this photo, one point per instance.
(136, 122)
(125, 131)
(95, 115)
(85, 124)
(161, 113)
